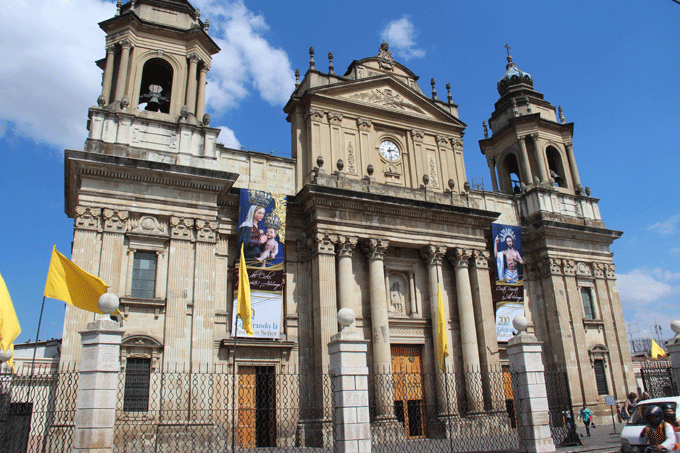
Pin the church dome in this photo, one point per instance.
(513, 76)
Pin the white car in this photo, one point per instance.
(630, 436)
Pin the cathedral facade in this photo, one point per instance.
(380, 218)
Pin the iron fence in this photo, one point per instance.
(444, 411)
(37, 410)
(258, 407)
(562, 420)
(658, 379)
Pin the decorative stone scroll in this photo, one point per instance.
(417, 135)
(364, 124)
(206, 230)
(375, 249)
(315, 114)
(87, 218)
(115, 221)
(335, 118)
(181, 228)
(323, 243)
(345, 245)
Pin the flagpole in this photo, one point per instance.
(233, 388)
(35, 348)
(446, 383)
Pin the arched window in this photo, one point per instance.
(555, 166)
(511, 167)
(156, 87)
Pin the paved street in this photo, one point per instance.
(602, 439)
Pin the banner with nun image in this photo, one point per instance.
(262, 234)
(508, 289)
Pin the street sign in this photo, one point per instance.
(609, 400)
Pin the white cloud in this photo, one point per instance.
(401, 35)
(675, 251)
(228, 138)
(49, 77)
(640, 286)
(667, 226)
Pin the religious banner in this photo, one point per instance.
(262, 233)
(508, 290)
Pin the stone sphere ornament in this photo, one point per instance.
(520, 323)
(675, 327)
(5, 356)
(108, 303)
(345, 317)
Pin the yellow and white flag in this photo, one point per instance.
(442, 337)
(71, 284)
(9, 323)
(244, 310)
(657, 351)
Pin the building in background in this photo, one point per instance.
(379, 216)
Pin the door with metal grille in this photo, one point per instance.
(409, 399)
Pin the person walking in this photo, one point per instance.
(587, 417)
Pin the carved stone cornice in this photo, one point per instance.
(460, 257)
(375, 249)
(480, 258)
(433, 254)
(87, 218)
(550, 266)
(345, 245)
(323, 243)
(417, 135)
(115, 221)
(206, 231)
(315, 114)
(182, 228)
(569, 267)
(364, 124)
(335, 118)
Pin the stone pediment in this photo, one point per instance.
(388, 94)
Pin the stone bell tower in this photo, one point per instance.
(528, 147)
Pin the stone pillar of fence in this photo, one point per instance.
(349, 383)
(97, 387)
(532, 412)
(673, 348)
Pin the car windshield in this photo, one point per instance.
(638, 418)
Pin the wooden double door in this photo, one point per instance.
(256, 406)
(409, 397)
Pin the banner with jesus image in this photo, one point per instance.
(262, 233)
(508, 290)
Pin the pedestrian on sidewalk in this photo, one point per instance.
(587, 417)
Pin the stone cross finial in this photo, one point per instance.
(507, 48)
(434, 92)
(331, 68)
(311, 58)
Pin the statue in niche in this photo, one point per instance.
(397, 298)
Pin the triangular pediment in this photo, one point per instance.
(385, 93)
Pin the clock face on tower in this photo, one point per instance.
(389, 150)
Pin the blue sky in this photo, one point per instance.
(612, 66)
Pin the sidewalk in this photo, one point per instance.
(602, 439)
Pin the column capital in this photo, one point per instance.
(205, 67)
(315, 114)
(481, 258)
(110, 48)
(522, 139)
(457, 143)
(534, 136)
(375, 249)
(460, 257)
(345, 245)
(364, 124)
(115, 221)
(87, 218)
(569, 145)
(193, 58)
(182, 228)
(206, 230)
(433, 254)
(417, 135)
(550, 266)
(126, 44)
(323, 243)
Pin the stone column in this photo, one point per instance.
(345, 249)
(382, 352)
(108, 74)
(485, 318)
(492, 169)
(572, 165)
(532, 412)
(324, 292)
(121, 82)
(203, 321)
(673, 347)
(97, 387)
(349, 377)
(540, 159)
(445, 391)
(191, 85)
(200, 108)
(468, 331)
(524, 157)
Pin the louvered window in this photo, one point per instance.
(137, 376)
(600, 378)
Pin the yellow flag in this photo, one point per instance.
(9, 323)
(68, 282)
(657, 351)
(244, 311)
(442, 337)
(10, 362)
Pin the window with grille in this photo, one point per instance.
(600, 378)
(137, 377)
(144, 275)
(588, 305)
